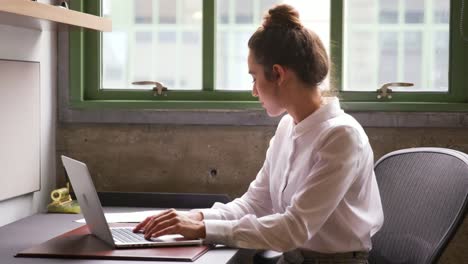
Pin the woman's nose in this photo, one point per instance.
(254, 91)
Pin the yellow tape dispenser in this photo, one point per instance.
(62, 202)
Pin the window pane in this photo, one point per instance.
(222, 11)
(143, 11)
(440, 71)
(441, 11)
(237, 21)
(115, 58)
(412, 61)
(396, 41)
(167, 11)
(191, 12)
(154, 40)
(359, 12)
(388, 11)
(244, 11)
(388, 56)
(191, 72)
(414, 13)
(165, 58)
(361, 49)
(143, 44)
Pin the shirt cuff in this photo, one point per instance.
(209, 214)
(219, 231)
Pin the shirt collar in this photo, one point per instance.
(329, 110)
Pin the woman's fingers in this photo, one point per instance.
(172, 222)
(142, 224)
(173, 229)
(161, 226)
(148, 220)
(156, 220)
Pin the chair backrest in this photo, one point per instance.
(424, 195)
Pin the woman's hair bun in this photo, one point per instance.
(282, 15)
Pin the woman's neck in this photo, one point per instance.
(303, 102)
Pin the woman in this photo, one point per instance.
(316, 197)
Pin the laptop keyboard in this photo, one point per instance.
(126, 235)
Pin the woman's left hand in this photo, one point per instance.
(172, 222)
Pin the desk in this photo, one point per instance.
(39, 228)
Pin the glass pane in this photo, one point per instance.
(192, 11)
(153, 40)
(238, 20)
(441, 11)
(143, 44)
(358, 12)
(165, 58)
(143, 11)
(360, 63)
(405, 44)
(412, 62)
(440, 71)
(222, 11)
(115, 59)
(388, 56)
(191, 72)
(106, 8)
(167, 11)
(240, 68)
(414, 13)
(388, 11)
(244, 12)
(222, 71)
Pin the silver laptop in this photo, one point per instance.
(118, 237)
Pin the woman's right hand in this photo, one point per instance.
(198, 216)
(187, 224)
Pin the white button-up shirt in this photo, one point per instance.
(316, 190)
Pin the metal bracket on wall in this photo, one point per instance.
(385, 92)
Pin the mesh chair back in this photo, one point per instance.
(424, 195)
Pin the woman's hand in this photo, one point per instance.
(189, 225)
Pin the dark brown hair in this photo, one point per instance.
(283, 40)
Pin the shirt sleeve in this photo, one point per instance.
(331, 176)
(256, 201)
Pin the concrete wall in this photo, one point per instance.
(165, 158)
(20, 43)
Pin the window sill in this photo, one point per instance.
(374, 115)
(167, 105)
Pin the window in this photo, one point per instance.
(198, 49)
(415, 41)
(152, 40)
(387, 41)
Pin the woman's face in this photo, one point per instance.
(266, 91)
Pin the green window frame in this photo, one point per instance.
(85, 73)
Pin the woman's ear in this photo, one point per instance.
(278, 73)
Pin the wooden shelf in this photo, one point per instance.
(54, 13)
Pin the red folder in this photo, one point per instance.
(79, 243)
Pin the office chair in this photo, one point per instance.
(424, 195)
